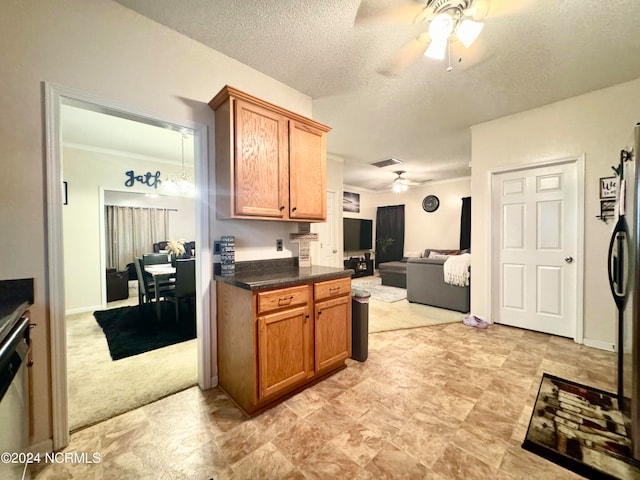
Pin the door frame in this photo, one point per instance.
(493, 240)
(54, 97)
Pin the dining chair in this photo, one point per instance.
(185, 286)
(154, 258)
(160, 246)
(146, 285)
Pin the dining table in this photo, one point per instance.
(159, 272)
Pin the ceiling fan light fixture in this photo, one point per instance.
(441, 27)
(437, 49)
(468, 31)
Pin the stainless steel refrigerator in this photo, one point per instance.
(624, 279)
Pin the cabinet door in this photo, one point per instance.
(332, 332)
(283, 350)
(260, 177)
(307, 176)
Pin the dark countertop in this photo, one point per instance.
(15, 298)
(284, 275)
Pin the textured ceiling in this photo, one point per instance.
(530, 53)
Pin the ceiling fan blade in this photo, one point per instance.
(466, 58)
(397, 12)
(407, 55)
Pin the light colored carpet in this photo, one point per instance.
(400, 315)
(378, 291)
(100, 388)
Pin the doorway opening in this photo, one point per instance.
(97, 172)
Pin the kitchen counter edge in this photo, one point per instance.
(260, 280)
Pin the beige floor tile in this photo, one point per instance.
(424, 437)
(359, 443)
(329, 463)
(300, 441)
(391, 463)
(457, 464)
(443, 402)
(265, 462)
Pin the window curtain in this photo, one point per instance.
(132, 231)
(389, 234)
(465, 224)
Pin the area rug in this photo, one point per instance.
(582, 429)
(379, 291)
(408, 315)
(135, 330)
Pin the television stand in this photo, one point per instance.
(362, 268)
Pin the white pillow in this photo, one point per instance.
(439, 256)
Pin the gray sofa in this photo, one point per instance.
(425, 284)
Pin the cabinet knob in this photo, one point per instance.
(281, 208)
(293, 209)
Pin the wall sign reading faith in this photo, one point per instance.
(150, 179)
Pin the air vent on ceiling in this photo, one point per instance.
(386, 163)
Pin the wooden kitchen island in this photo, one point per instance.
(280, 329)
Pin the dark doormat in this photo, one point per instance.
(581, 428)
(134, 330)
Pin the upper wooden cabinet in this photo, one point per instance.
(270, 162)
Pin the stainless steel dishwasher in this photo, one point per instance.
(14, 397)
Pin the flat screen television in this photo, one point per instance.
(358, 234)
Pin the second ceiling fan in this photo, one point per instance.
(401, 184)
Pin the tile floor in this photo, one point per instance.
(439, 402)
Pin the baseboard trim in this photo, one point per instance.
(599, 344)
(45, 446)
(73, 311)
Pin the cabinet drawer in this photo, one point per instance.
(332, 288)
(285, 297)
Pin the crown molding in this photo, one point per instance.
(123, 154)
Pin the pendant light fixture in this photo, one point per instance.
(180, 184)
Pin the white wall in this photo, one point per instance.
(439, 229)
(86, 172)
(104, 49)
(597, 125)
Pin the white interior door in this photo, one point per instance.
(535, 249)
(326, 248)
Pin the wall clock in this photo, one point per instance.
(430, 203)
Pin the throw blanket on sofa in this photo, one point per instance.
(457, 270)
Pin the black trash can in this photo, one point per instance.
(360, 324)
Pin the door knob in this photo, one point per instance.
(568, 259)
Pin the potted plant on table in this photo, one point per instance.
(176, 249)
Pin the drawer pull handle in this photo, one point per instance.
(285, 300)
(334, 289)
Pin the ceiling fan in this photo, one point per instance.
(449, 22)
(401, 184)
